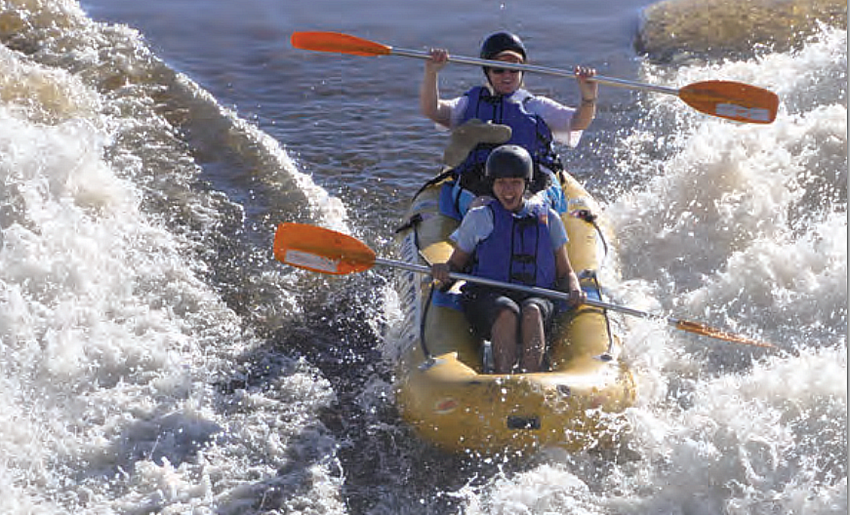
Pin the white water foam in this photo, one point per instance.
(747, 229)
(743, 227)
(747, 223)
(112, 347)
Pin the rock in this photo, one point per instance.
(732, 28)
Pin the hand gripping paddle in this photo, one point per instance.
(330, 252)
(724, 99)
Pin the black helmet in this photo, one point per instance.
(509, 161)
(498, 42)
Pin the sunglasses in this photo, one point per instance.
(499, 71)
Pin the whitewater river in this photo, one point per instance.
(155, 358)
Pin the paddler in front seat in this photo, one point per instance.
(535, 121)
(511, 239)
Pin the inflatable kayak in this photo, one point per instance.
(444, 389)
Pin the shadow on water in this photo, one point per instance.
(385, 468)
(335, 330)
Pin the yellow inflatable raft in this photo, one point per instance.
(442, 389)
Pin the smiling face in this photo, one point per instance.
(509, 192)
(504, 81)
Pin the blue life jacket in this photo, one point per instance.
(519, 250)
(528, 130)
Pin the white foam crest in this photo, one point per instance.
(79, 274)
(745, 226)
(110, 346)
(546, 489)
(327, 208)
(796, 283)
(729, 191)
(709, 458)
(815, 75)
(44, 95)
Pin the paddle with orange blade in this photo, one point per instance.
(330, 252)
(724, 99)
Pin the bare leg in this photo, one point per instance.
(504, 340)
(533, 339)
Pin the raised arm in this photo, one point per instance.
(429, 93)
(586, 110)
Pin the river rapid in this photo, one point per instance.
(155, 358)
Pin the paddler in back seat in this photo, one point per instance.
(534, 121)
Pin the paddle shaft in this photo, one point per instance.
(725, 99)
(622, 83)
(330, 252)
(543, 292)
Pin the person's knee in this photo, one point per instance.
(505, 305)
(536, 308)
(531, 310)
(507, 314)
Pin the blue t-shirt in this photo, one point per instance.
(477, 225)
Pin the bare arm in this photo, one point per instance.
(567, 279)
(589, 90)
(457, 261)
(429, 93)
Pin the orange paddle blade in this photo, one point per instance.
(695, 327)
(732, 100)
(338, 42)
(321, 250)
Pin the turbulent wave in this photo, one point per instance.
(743, 227)
(135, 375)
(154, 358)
